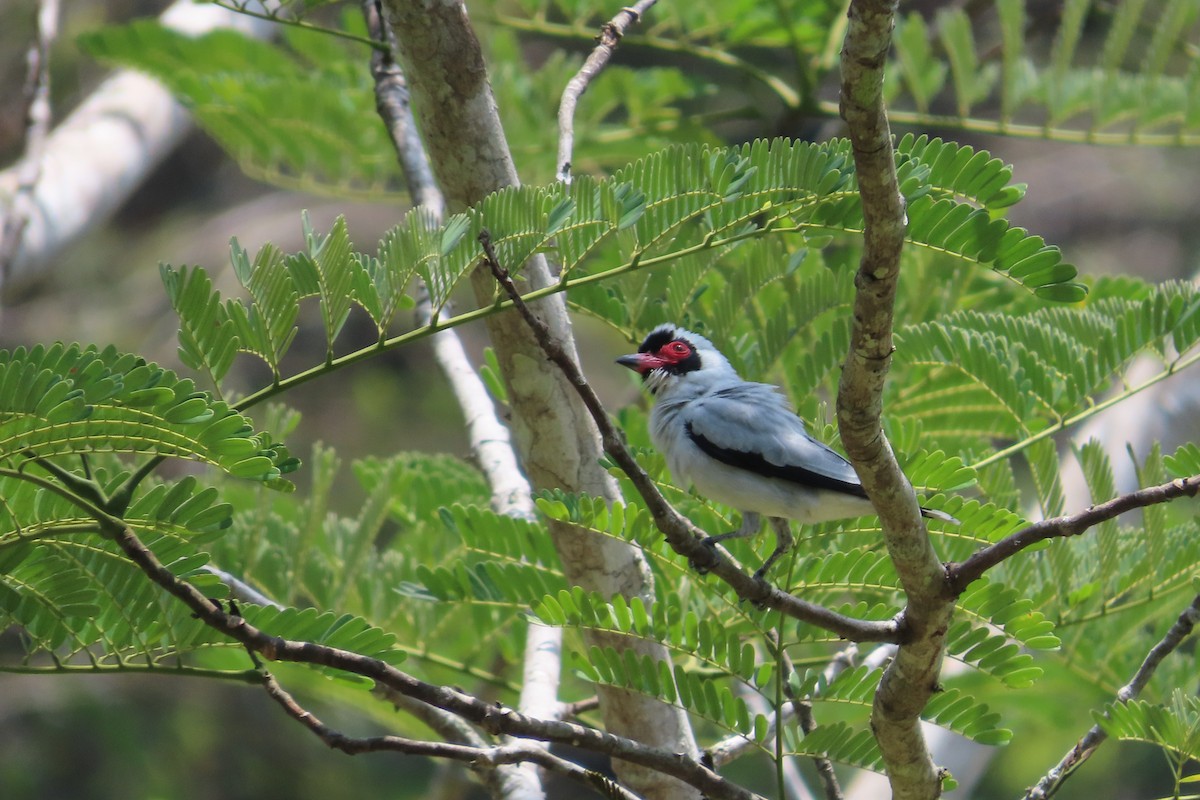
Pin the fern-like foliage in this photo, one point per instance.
(1109, 74)
(66, 415)
(71, 400)
(1093, 72)
(728, 221)
(1173, 726)
(293, 113)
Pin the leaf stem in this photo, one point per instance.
(1177, 366)
(636, 262)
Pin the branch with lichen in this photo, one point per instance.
(912, 677)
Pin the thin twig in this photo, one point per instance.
(450, 727)
(959, 576)
(803, 709)
(1084, 748)
(37, 131)
(684, 537)
(278, 15)
(808, 724)
(572, 710)
(794, 785)
(476, 757)
(610, 35)
(394, 108)
(804, 715)
(733, 747)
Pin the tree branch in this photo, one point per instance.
(684, 537)
(559, 448)
(912, 676)
(489, 438)
(1083, 749)
(478, 758)
(733, 747)
(959, 576)
(491, 717)
(610, 35)
(393, 104)
(96, 157)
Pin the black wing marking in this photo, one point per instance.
(754, 462)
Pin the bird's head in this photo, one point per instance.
(672, 358)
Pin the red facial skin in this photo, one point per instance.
(670, 353)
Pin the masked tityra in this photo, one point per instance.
(738, 443)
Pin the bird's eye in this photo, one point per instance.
(679, 349)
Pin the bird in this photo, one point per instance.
(739, 442)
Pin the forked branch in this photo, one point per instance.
(479, 758)
(960, 575)
(495, 719)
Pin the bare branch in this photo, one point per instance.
(794, 786)
(448, 726)
(480, 758)
(37, 129)
(734, 747)
(1084, 748)
(493, 718)
(572, 710)
(392, 103)
(959, 576)
(610, 35)
(803, 709)
(681, 534)
(912, 676)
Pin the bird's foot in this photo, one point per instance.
(702, 566)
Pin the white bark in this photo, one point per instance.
(103, 151)
(555, 437)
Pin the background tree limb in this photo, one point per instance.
(557, 442)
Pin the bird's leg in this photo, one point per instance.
(783, 543)
(749, 527)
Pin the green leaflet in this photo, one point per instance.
(728, 221)
(1015, 375)
(71, 400)
(949, 708)
(1174, 726)
(342, 631)
(1076, 93)
(79, 597)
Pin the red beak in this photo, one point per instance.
(640, 362)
